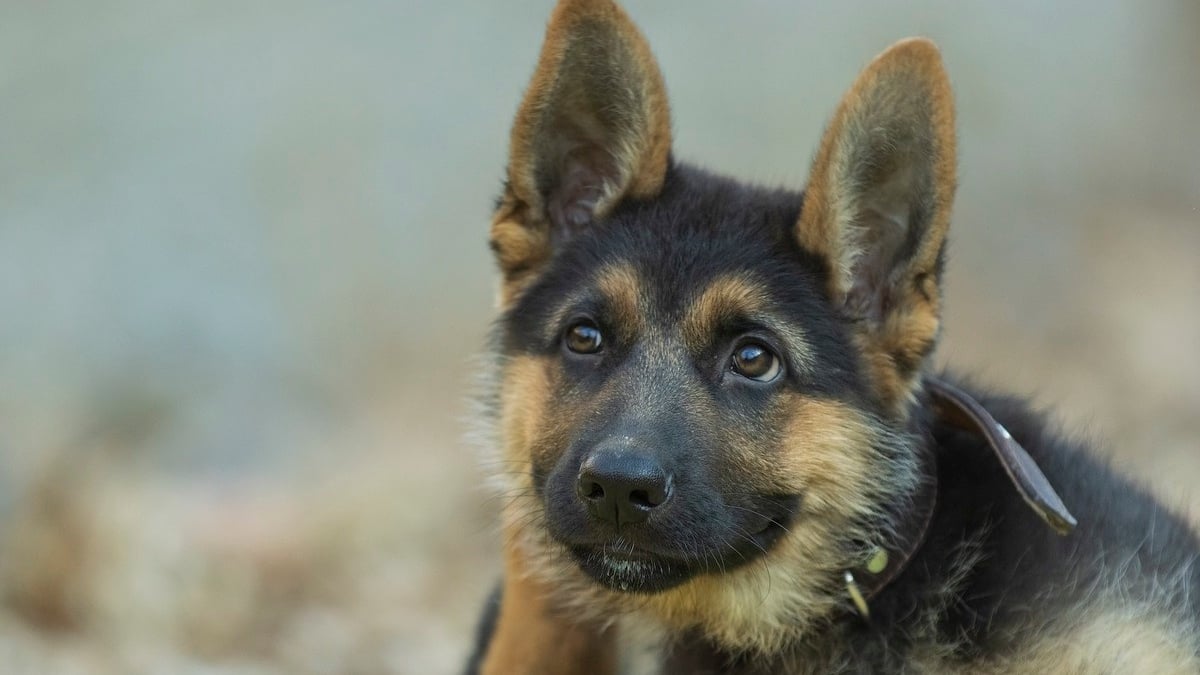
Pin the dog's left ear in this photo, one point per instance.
(877, 208)
(593, 128)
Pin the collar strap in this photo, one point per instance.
(883, 566)
(958, 409)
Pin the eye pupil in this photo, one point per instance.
(756, 362)
(751, 360)
(584, 338)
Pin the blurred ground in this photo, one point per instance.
(243, 271)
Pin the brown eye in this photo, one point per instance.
(584, 338)
(756, 362)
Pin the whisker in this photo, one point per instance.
(770, 580)
(764, 516)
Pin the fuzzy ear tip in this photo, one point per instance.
(918, 50)
(916, 44)
(584, 8)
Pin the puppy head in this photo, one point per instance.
(704, 386)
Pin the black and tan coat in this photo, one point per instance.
(760, 358)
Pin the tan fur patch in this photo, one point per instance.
(829, 457)
(624, 301)
(738, 295)
(1131, 639)
(902, 342)
(527, 386)
(727, 296)
(533, 637)
(519, 250)
(1120, 640)
(622, 291)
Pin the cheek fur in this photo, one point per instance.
(828, 453)
(524, 418)
(817, 447)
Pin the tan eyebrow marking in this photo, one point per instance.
(726, 297)
(739, 295)
(621, 288)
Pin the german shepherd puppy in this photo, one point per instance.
(720, 445)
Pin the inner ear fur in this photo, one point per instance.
(593, 128)
(877, 208)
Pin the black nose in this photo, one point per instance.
(622, 485)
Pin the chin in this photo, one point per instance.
(627, 572)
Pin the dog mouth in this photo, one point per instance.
(630, 568)
(632, 571)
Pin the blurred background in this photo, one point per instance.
(243, 275)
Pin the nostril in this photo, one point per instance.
(652, 495)
(593, 490)
(641, 498)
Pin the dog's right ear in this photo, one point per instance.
(593, 128)
(877, 208)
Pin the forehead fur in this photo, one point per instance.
(707, 245)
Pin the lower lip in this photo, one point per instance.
(625, 565)
(630, 573)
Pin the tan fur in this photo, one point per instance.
(519, 249)
(829, 459)
(1115, 640)
(623, 295)
(533, 637)
(725, 297)
(1137, 640)
(527, 384)
(622, 291)
(908, 334)
(894, 122)
(586, 41)
(738, 295)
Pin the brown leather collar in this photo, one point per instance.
(883, 566)
(958, 409)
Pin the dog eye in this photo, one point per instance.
(755, 361)
(583, 337)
